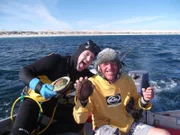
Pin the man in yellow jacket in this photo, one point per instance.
(106, 96)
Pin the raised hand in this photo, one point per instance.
(148, 93)
(84, 89)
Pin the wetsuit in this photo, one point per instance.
(53, 66)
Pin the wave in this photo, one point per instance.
(164, 85)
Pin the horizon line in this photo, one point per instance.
(93, 30)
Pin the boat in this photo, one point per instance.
(169, 120)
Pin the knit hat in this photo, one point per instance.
(106, 55)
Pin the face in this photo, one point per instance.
(84, 60)
(109, 70)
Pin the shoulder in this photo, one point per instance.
(126, 77)
(96, 79)
(56, 57)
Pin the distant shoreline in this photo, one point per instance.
(6, 34)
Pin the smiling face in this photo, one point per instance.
(109, 70)
(84, 60)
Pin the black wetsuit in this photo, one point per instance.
(53, 66)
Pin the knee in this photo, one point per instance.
(165, 132)
(158, 131)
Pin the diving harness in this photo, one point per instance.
(62, 86)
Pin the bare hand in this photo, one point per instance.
(148, 93)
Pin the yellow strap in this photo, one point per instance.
(41, 110)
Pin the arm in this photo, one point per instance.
(39, 67)
(80, 112)
(83, 104)
(139, 104)
(29, 75)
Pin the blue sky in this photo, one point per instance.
(107, 15)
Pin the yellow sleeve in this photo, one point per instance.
(81, 113)
(137, 98)
(148, 106)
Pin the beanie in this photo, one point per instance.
(107, 55)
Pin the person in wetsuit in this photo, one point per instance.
(53, 67)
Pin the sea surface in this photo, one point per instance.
(157, 54)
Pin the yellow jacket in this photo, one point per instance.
(108, 103)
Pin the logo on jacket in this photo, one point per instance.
(113, 100)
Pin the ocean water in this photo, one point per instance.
(157, 54)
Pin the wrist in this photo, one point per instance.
(35, 85)
(84, 102)
(38, 87)
(143, 102)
